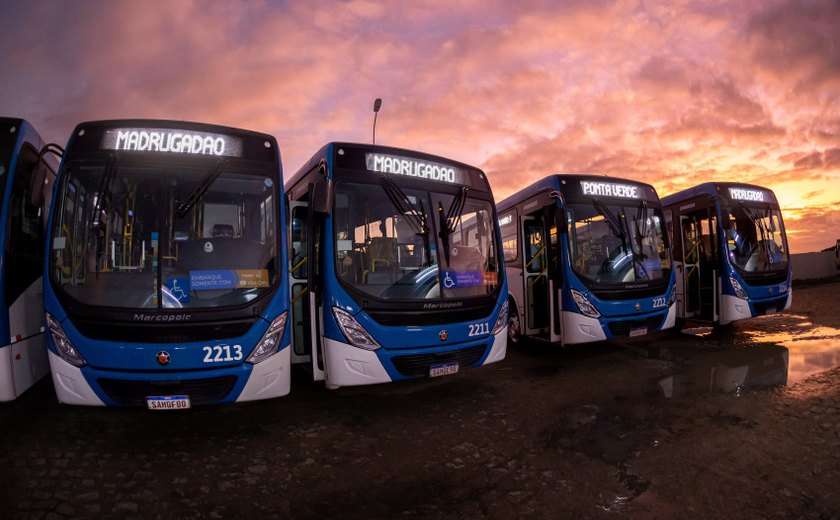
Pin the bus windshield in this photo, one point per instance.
(409, 244)
(136, 234)
(755, 240)
(617, 244)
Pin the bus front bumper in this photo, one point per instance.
(347, 365)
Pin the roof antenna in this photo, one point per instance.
(377, 104)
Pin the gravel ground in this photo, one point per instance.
(548, 433)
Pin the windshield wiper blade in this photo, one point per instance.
(416, 217)
(449, 221)
(201, 189)
(612, 221)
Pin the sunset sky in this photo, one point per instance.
(673, 93)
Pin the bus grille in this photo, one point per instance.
(154, 333)
(200, 391)
(418, 365)
(622, 328)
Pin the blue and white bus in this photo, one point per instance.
(165, 282)
(27, 172)
(730, 252)
(396, 266)
(587, 260)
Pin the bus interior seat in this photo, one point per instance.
(223, 230)
(382, 253)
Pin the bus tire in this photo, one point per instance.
(514, 324)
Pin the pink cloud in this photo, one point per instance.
(672, 94)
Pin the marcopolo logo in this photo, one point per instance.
(162, 317)
(163, 357)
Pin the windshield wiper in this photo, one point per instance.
(758, 221)
(612, 221)
(449, 221)
(416, 217)
(201, 189)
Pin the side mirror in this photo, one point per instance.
(323, 193)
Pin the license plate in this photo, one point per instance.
(168, 402)
(638, 331)
(770, 310)
(443, 370)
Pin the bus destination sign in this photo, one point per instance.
(610, 189)
(412, 167)
(747, 195)
(169, 140)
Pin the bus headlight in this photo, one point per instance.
(585, 306)
(501, 321)
(270, 341)
(353, 330)
(739, 291)
(62, 343)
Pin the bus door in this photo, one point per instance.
(304, 310)
(535, 242)
(699, 269)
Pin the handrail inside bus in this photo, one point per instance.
(298, 296)
(536, 255)
(297, 266)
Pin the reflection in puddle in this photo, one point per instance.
(812, 349)
(728, 371)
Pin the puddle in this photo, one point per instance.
(728, 371)
(812, 349)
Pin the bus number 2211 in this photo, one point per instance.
(479, 329)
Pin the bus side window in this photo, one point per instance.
(510, 237)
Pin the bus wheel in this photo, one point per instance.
(514, 326)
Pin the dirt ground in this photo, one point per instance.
(547, 433)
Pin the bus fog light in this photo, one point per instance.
(62, 343)
(739, 291)
(502, 320)
(585, 306)
(353, 330)
(270, 341)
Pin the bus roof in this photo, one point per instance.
(743, 192)
(569, 184)
(25, 129)
(326, 153)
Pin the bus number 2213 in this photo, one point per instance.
(222, 353)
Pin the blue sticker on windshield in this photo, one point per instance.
(462, 279)
(228, 279)
(179, 288)
(211, 280)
